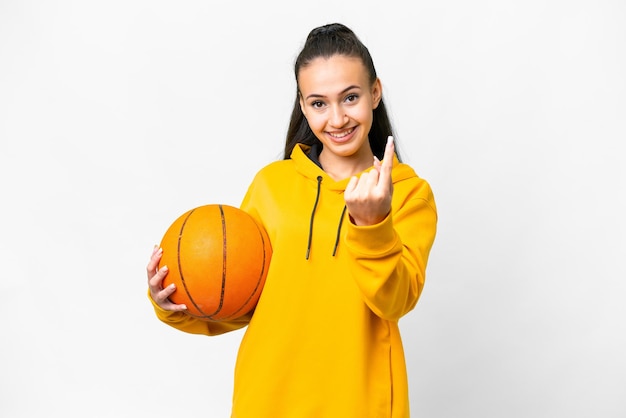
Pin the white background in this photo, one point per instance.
(117, 116)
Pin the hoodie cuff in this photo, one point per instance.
(372, 239)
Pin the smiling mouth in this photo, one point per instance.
(341, 134)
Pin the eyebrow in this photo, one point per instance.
(354, 86)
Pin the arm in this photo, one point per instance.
(390, 250)
(390, 257)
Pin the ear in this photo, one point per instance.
(301, 104)
(377, 93)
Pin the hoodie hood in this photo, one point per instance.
(308, 168)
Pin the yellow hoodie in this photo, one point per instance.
(324, 340)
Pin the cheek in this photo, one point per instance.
(364, 114)
(316, 122)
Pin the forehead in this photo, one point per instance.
(337, 71)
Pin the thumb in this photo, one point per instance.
(351, 184)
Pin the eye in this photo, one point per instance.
(352, 98)
(317, 104)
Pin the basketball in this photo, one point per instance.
(218, 257)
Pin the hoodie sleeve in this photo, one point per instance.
(183, 322)
(390, 257)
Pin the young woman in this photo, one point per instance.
(351, 228)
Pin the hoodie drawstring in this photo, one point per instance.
(317, 198)
(343, 214)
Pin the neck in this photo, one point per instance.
(339, 168)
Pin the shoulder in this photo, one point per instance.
(403, 175)
(299, 165)
(274, 174)
(276, 168)
(408, 186)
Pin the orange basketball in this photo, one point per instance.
(218, 257)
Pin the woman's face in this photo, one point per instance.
(338, 100)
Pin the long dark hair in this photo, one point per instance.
(326, 41)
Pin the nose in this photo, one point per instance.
(338, 117)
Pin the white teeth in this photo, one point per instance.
(341, 135)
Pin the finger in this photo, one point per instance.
(154, 261)
(175, 308)
(387, 164)
(155, 282)
(389, 152)
(162, 299)
(370, 179)
(376, 163)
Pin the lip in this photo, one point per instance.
(343, 139)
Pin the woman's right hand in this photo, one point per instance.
(155, 282)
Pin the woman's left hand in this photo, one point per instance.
(368, 197)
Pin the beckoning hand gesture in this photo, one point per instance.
(368, 197)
